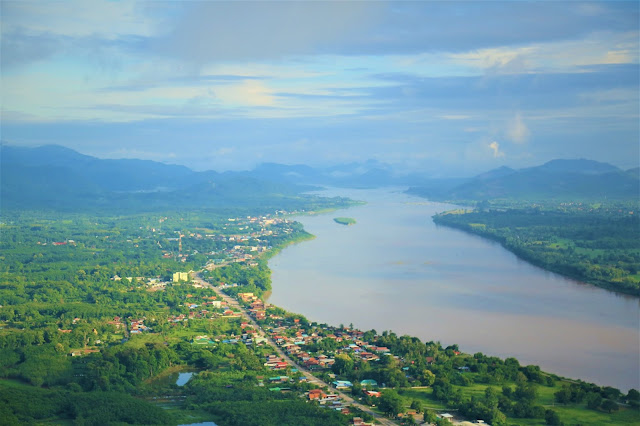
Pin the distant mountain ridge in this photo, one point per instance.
(53, 176)
(59, 178)
(556, 179)
(107, 174)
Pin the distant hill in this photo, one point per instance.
(59, 178)
(557, 179)
(500, 172)
(113, 175)
(368, 174)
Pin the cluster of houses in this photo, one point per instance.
(329, 400)
(208, 307)
(136, 326)
(240, 247)
(292, 338)
(256, 307)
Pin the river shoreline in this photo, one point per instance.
(532, 261)
(397, 271)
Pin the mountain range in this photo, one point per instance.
(556, 179)
(60, 178)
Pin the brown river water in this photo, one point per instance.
(396, 270)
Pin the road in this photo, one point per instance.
(310, 377)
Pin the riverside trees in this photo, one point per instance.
(595, 243)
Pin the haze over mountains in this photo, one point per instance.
(56, 177)
(556, 179)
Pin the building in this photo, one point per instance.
(180, 276)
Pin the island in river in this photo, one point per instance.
(345, 220)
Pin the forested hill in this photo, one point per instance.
(557, 179)
(57, 178)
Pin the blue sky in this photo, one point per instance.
(442, 87)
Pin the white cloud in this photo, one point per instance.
(495, 147)
(602, 48)
(517, 131)
(501, 59)
(247, 92)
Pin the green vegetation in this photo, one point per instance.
(417, 375)
(598, 243)
(90, 318)
(93, 325)
(345, 220)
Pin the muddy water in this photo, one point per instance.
(396, 270)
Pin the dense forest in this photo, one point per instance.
(598, 243)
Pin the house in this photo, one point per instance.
(342, 384)
(202, 340)
(215, 303)
(373, 394)
(247, 296)
(316, 394)
(368, 382)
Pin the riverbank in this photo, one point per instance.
(598, 249)
(398, 271)
(427, 376)
(276, 250)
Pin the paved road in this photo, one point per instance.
(310, 377)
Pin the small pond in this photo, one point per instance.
(183, 378)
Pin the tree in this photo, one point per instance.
(390, 403)
(416, 405)
(594, 400)
(491, 397)
(427, 378)
(552, 418)
(525, 392)
(633, 397)
(343, 364)
(430, 416)
(609, 406)
(563, 396)
(409, 420)
(356, 389)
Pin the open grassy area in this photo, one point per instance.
(15, 384)
(577, 414)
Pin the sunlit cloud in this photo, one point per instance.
(495, 148)
(556, 56)
(517, 131)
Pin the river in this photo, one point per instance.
(396, 270)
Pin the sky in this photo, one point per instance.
(439, 87)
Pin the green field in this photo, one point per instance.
(575, 414)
